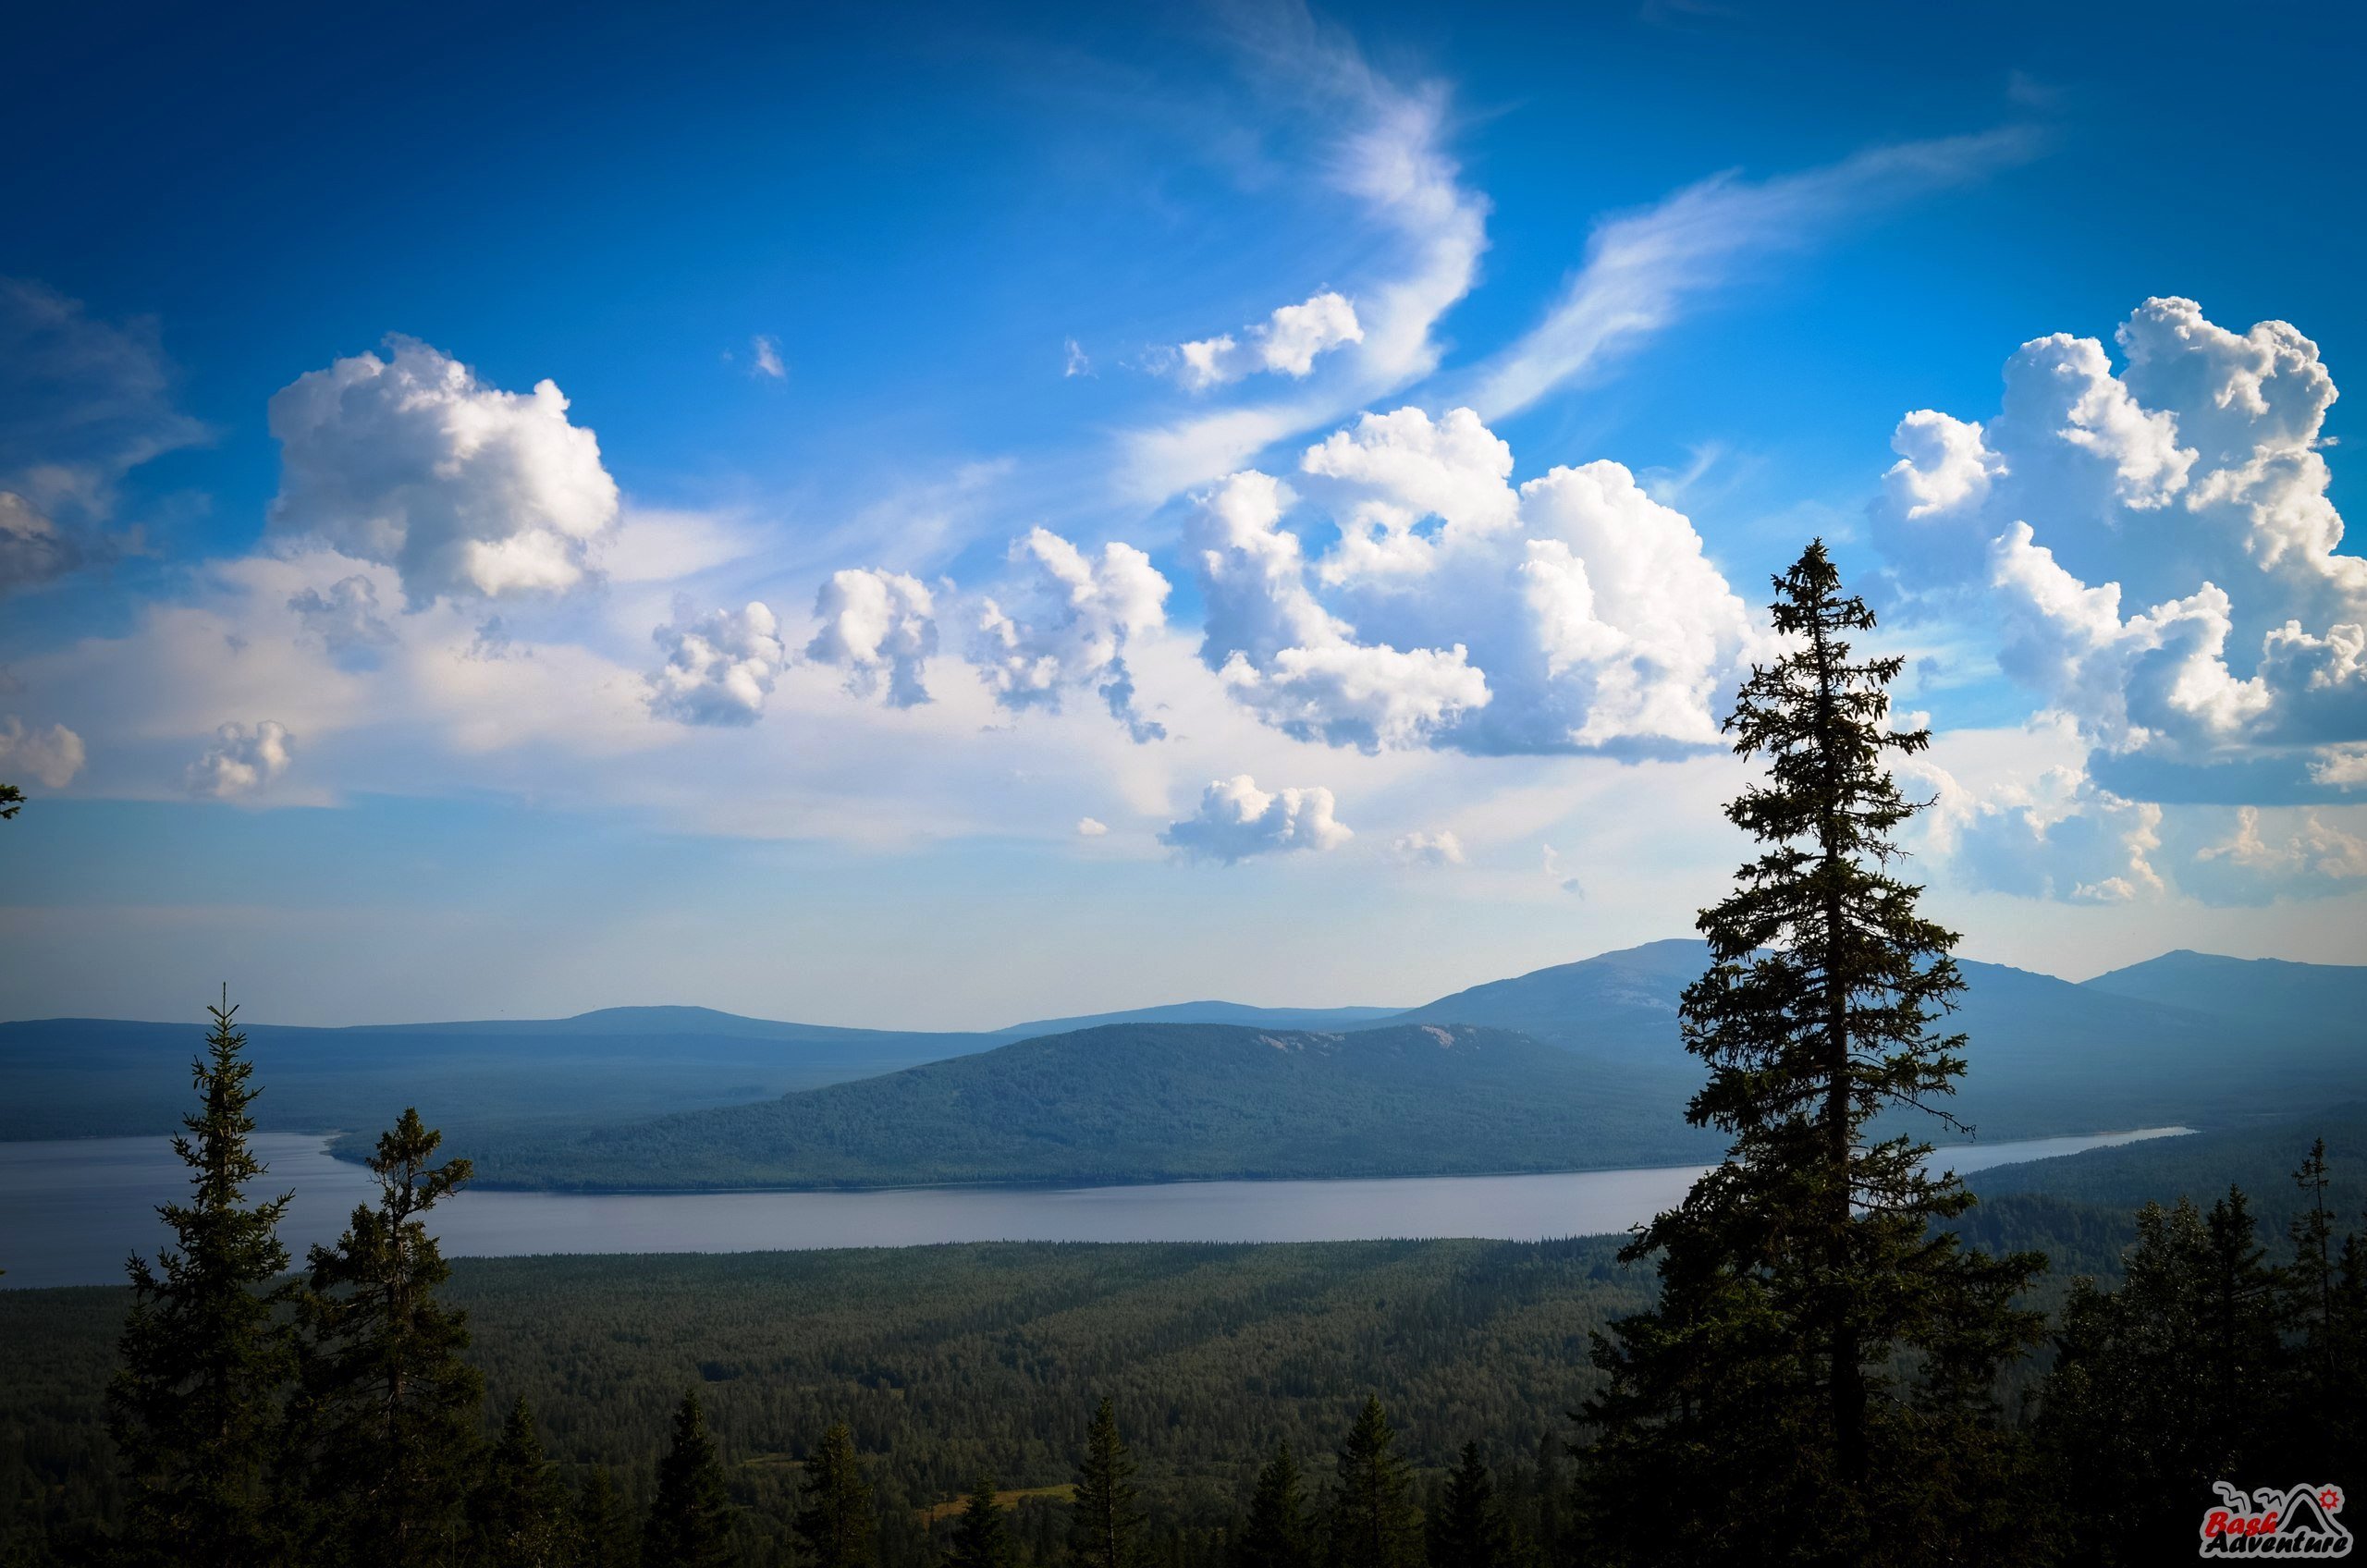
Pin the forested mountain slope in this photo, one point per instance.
(1150, 1102)
(2327, 1000)
(85, 1077)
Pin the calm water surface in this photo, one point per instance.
(72, 1211)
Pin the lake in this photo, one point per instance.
(72, 1211)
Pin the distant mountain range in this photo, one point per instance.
(1139, 1102)
(2174, 1039)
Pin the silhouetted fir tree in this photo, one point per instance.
(605, 1537)
(1374, 1521)
(982, 1536)
(389, 1409)
(1105, 1526)
(2309, 1288)
(196, 1405)
(12, 801)
(2240, 1331)
(1468, 1529)
(690, 1522)
(1815, 1382)
(519, 1513)
(1278, 1532)
(839, 1524)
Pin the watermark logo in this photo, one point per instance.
(2298, 1522)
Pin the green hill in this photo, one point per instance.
(1151, 1102)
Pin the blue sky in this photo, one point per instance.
(1242, 501)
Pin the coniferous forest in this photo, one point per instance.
(1826, 1355)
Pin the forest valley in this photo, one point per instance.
(1834, 1359)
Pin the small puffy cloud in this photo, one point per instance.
(1428, 230)
(1441, 847)
(1285, 343)
(53, 755)
(1080, 613)
(880, 626)
(344, 618)
(465, 489)
(243, 759)
(2157, 547)
(1238, 820)
(718, 668)
(1091, 827)
(1574, 613)
(765, 356)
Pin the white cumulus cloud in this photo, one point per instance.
(718, 668)
(2156, 548)
(52, 756)
(1574, 613)
(243, 759)
(1238, 820)
(1091, 827)
(1080, 613)
(465, 489)
(1286, 343)
(880, 626)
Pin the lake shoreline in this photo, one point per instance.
(2111, 1136)
(71, 1210)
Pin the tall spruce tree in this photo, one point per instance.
(1468, 1529)
(1105, 1525)
(389, 1409)
(2240, 1333)
(1278, 1532)
(690, 1522)
(982, 1536)
(12, 801)
(604, 1534)
(1374, 1521)
(839, 1522)
(2310, 1281)
(517, 1512)
(1814, 1383)
(195, 1406)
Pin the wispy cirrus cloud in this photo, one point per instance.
(1643, 268)
(1389, 156)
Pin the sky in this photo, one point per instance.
(931, 516)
